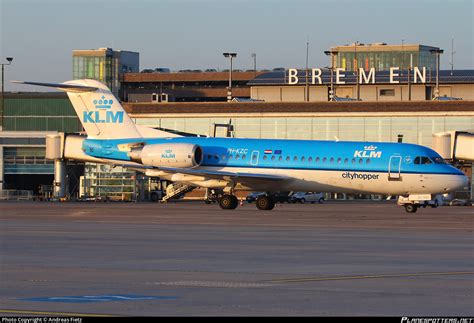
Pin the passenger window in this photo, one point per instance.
(273, 157)
(302, 159)
(346, 160)
(295, 158)
(310, 159)
(367, 161)
(254, 157)
(287, 158)
(280, 158)
(317, 159)
(265, 157)
(361, 161)
(237, 156)
(353, 160)
(331, 160)
(324, 159)
(339, 160)
(244, 156)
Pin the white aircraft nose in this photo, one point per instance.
(457, 183)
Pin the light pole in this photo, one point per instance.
(356, 66)
(229, 88)
(408, 78)
(254, 56)
(9, 59)
(331, 68)
(437, 52)
(307, 74)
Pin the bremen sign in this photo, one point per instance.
(419, 75)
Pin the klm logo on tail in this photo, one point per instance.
(103, 113)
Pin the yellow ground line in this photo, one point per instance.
(315, 279)
(53, 313)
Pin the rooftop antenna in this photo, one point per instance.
(307, 70)
(452, 56)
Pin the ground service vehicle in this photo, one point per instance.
(303, 197)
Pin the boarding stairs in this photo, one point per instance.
(176, 189)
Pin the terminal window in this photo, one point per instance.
(387, 92)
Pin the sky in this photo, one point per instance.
(184, 34)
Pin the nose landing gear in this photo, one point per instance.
(410, 208)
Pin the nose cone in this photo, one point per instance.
(464, 183)
(457, 183)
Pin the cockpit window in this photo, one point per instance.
(438, 160)
(422, 160)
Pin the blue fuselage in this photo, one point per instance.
(295, 154)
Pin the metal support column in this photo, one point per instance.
(60, 180)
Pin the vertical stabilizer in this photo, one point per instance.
(101, 114)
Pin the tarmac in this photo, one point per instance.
(192, 259)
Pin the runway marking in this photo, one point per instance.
(316, 279)
(97, 298)
(217, 284)
(20, 312)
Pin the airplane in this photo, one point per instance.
(410, 171)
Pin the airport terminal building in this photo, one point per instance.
(387, 111)
(29, 118)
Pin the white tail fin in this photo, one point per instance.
(101, 114)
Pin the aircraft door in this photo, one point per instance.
(254, 158)
(394, 168)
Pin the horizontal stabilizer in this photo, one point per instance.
(62, 86)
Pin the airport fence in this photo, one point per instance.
(16, 195)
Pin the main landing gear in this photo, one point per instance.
(230, 202)
(265, 202)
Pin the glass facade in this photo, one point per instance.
(416, 129)
(26, 160)
(101, 68)
(40, 114)
(104, 65)
(106, 181)
(383, 60)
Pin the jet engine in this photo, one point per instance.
(168, 155)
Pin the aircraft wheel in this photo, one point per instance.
(410, 208)
(265, 203)
(228, 202)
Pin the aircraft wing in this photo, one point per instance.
(211, 174)
(221, 174)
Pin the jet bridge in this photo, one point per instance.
(62, 147)
(457, 147)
